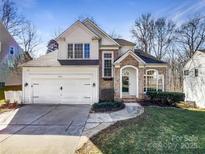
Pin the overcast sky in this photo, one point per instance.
(112, 15)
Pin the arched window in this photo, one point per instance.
(153, 81)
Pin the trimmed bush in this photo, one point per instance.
(170, 98)
(107, 106)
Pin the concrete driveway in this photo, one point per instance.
(40, 129)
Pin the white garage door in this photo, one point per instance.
(62, 91)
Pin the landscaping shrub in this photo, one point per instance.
(170, 98)
(104, 106)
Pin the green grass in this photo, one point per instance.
(158, 130)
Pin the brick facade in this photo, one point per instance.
(110, 88)
(106, 85)
(129, 60)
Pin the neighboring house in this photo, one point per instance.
(10, 52)
(194, 79)
(90, 66)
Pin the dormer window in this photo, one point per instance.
(79, 51)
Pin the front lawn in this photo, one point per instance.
(158, 130)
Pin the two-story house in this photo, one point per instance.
(9, 51)
(90, 65)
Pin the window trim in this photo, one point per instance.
(103, 60)
(74, 51)
(157, 84)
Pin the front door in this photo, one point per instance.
(129, 82)
(125, 84)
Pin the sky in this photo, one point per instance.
(50, 16)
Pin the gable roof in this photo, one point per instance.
(81, 25)
(100, 32)
(147, 58)
(141, 57)
(196, 53)
(129, 52)
(124, 42)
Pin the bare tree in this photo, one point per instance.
(10, 18)
(163, 37)
(57, 32)
(143, 32)
(28, 38)
(191, 35)
(115, 35)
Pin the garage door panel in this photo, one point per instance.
(44, 90)
(62, 91)
(76, 90)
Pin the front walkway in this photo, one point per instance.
(99, 121)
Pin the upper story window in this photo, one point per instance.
(196, 72)
(87, 50)
(107, 64)
(70, 51)
(2, 85)
(78, 51)
(0, 46)
(11, 50)
(186, 72)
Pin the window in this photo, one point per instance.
(70, 51)
(11, 50)
(186, 72)
(86, 50)
(107, 64)
(196, 72)
(78, 51)
(0, 46)
(153, 81)
(125, 81)
(2, 85)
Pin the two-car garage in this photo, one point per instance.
(60, 85)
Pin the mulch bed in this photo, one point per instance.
(103, 110)
(155, 103)
(10, 106)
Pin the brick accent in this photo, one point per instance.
(129, 60)
(110, 88)
(106, 85)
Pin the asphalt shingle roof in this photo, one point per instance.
(124, 42)
(147, 58)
